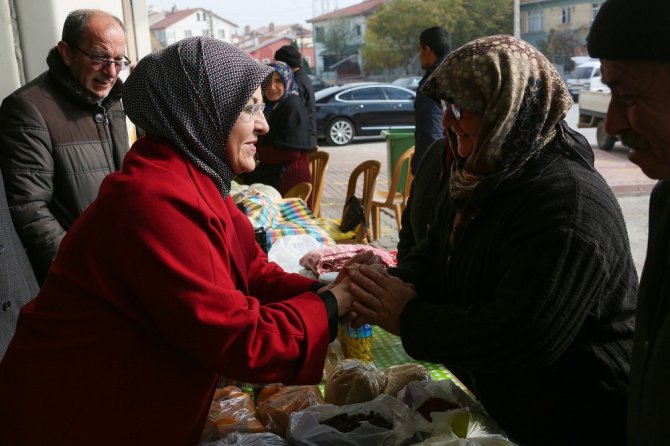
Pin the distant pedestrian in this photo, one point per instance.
(292, 57)
(631, 39)
(434, 46)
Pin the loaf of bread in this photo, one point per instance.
(400, 375)
(353, 381)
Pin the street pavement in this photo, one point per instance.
(629, 184)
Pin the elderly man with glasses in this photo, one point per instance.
(63, 132)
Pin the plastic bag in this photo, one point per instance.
(259, 439)
(427, 397)
(465, 427)
(353, 215)
(289, 249)
(352, 381)
(334, 355)
(275, 409)
(231, 411)
(306, 426)
(455, 418)
(402, 374)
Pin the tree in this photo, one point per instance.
(393, 31)
(563, 44)
(337, 37)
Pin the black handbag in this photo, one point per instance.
(353, 215)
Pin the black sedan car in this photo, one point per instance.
(362, 109)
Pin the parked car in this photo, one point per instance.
(348, 111)
(317, 83)
(586, 76)
(411, 82)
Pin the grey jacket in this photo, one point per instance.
(57, 143)
(17, 281)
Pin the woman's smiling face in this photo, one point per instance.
(275, 90)
(241, 144)
(466, 129)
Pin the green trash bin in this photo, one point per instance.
(397, 143)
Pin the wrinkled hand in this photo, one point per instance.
(362, 258)
(378, 297)
(344, 298)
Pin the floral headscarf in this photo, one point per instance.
(191, 93)
(290, 87)
(516, 90)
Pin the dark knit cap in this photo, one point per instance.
(290, 55)
(631, 30)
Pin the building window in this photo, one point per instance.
(197, 16)
(565, 15)
(357, 30)
(320, 34)
(266, 60)
(206, 33)
(187, 33)
(222, 34)
(535, 19)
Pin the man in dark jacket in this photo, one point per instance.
(63, 132)
(17, 281)
(631, 39)
(291, 56)
(434, 46)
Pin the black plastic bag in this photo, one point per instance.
(353, 215)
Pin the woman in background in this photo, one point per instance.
(283, 153)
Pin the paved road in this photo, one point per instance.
(629, 184)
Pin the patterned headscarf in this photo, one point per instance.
(290, 87)
(191, 93)
(516, 90)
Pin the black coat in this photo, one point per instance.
(536, 300)
(649, 391)
(306, 91)
(428, 188)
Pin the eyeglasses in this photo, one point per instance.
(253, 110)
(453, 108)
(100, 63)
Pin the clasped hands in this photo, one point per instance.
(366, 293)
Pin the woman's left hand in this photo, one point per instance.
(378, 297)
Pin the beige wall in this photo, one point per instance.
(580, 16)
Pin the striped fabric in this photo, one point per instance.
(288, 216)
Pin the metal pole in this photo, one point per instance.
(517, 19)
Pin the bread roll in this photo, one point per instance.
(352, 381)
(400, 375)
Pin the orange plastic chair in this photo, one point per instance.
(392, 199)
(300, 190)
(318, 164)
(370, 170)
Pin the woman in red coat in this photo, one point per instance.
(159, 287)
